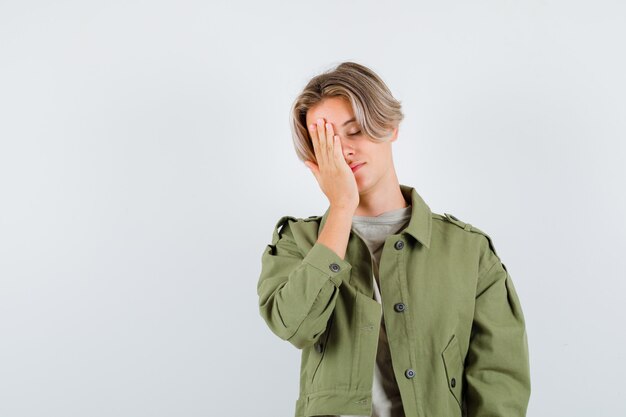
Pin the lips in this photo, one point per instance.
(356, 166)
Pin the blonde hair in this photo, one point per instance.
(375, 109)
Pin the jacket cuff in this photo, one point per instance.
(326, 260)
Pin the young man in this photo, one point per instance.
(398, 311)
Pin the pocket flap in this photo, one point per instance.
(454, 368)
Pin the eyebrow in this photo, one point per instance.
(348, 121)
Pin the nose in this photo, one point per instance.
(346, 147)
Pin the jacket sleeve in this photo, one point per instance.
(497, 367)
(297, 293)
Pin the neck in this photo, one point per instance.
(384, 196)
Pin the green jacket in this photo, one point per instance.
(455, 325)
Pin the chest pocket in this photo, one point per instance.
(454, 368)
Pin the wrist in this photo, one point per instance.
(342, 210)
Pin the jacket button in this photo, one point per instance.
(318, 347)
(399, 244)
(399, 307)
(334, 267)
(409, 373)
(453, 382)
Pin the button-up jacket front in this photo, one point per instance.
(454, 322)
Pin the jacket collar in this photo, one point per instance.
(420, 225)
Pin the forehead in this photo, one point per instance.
(335, 110)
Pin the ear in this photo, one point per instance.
(395, 135)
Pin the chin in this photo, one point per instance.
(361, 185)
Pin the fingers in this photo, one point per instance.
(315, 141)
(322, 135)
(338, 150)
(330, 145)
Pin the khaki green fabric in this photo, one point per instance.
(459, 346)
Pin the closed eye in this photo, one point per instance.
(355, 133)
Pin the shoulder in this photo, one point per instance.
(290, 226)
(466, 227)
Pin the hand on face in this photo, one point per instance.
(332, 172)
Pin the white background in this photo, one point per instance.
(146, 156)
